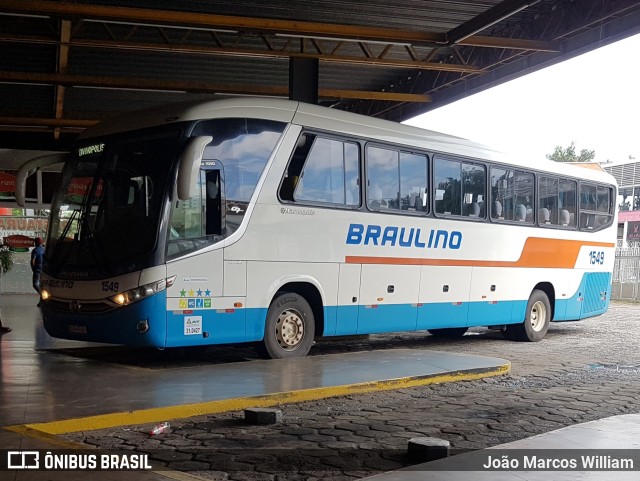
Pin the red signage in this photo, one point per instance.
(7, 182)
(18, 241)
(80, 186)
(633, 231)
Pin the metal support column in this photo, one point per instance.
(303, 79)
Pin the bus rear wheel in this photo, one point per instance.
(536, 322)
(449, 332)
(289, 329)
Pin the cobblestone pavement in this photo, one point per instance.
(580, 372)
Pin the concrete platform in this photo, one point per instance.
(617, 437)
(51, 387)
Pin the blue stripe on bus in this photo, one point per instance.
(167, 328)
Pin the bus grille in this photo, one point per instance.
(79, 307)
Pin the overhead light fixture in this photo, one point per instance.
(161, 90)
(26, 15)
(156, 25)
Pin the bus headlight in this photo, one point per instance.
(44, 294)
(133, 295)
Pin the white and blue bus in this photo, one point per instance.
(275, 222)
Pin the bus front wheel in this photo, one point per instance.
(536, 322)
(289, 328)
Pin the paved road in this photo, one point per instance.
(581, 371)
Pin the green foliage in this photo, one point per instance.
(569, 154)
(6, 259)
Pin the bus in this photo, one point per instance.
(275, 222)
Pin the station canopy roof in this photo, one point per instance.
(66, 65)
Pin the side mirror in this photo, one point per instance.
(30, 167)
(189, 166)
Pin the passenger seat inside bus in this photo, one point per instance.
(473, 209)
(544, 216)
(496, 210)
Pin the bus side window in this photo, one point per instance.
(474, 185)
(523, 195)
(323, 170)
(447, 187)
(396, 180)
(567, 202)
(596, 207)
(383, 178)
(513, 190)
(294, 170)
(501, 194)
(548, 201)
(460, 188)
(413, 182)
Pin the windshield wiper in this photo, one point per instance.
(65, 231)
(61, 259)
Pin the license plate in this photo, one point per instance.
(77, 329)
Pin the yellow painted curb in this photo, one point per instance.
(153, 415)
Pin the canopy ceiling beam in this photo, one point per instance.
(235, 24)
(240, 52)
(195, 86)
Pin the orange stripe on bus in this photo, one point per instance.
(537, 252)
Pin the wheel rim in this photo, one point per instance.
(289, 329)
(538, 316)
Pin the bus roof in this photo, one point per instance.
(323, 118)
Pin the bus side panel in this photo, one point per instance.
(348, 296)
(590, 298)
(255, 323)
(201, 327)
(444, 295)
(266, 279)
(346, 320)
(597, 294)
(569, 309)
(492, 296)
(388, 298)
(197, 311)
(442, 314)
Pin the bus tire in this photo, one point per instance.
(536, 322)
(289, 328)
(448, 332)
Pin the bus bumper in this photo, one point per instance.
(143, 323)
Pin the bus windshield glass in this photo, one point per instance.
(106, 214)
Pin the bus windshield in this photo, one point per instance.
(106, 214)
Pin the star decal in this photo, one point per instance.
(191, 293)
(199, 292)
(207, 293)
(183, 293)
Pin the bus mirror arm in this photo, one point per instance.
(30, 167)
(189, 167)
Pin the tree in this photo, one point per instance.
(569, 154)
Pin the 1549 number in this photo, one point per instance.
(110, 286)
(596, 257)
